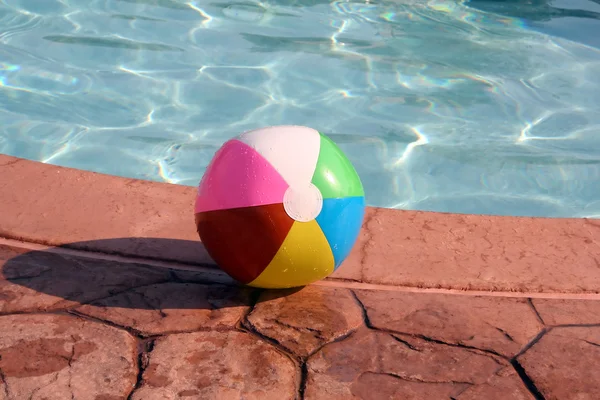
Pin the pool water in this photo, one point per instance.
(486, 107)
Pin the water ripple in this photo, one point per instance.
(117, 43)
(448, 105)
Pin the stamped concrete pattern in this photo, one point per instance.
(504, 384)
(372, 360)
(42, 281)
(480, 252)
(305, 320)
(84, 328)
(88, 206)
(74, 327)
(64, 357)
(568, 312)
(217, 365)
(564, 363)
(486, 323)
(173, 307)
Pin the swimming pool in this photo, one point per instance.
(478, 107)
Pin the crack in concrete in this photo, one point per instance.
(532, 342)
(4, 383)
(133, 331)
(276, 321)
(145, 348)
(142, 335)
(303, 380)
(506, 335)
(535, 311)
(592, 343)
(70, 364)
(334, 340)
(458, 393)
(250, 328)
(368, 324)
(527, 381)
(148, 302)
(54, 379)
(363, 308)
(254, 297)
(405, 343)
(577, 326)
(413, 379)
(487, 352)
(240, 325)
(246, 326)
(83, 316)
(35, 312)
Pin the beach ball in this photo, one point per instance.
(279, 207)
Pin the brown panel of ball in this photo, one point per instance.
(243, 241)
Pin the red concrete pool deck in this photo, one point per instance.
(106, 293)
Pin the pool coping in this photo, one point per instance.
(93, 212)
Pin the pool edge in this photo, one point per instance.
(108, 214)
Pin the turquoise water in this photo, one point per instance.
(479, 107)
